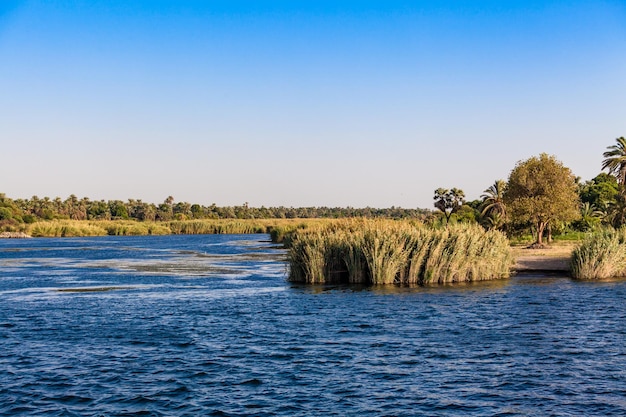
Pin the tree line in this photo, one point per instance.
(541, 195)
(19, 211)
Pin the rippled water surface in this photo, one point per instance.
(208, 325)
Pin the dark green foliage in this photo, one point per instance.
(73, 208)
(5, 213)
(600, 191)
(467, 214)
(118, 210)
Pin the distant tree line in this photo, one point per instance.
(36, 208)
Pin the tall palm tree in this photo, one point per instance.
(615, 161)
(493, 199)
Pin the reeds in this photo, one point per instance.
(601, 255)
(133, 228)
(278, 228)
(392, 252)
(68, 228)
(215, 227)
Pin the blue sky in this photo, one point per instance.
(302, 103)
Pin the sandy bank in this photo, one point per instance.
(13, 235)
(555, 258)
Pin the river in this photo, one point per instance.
(208, 325)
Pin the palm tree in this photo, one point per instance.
(615, 161)
(495, 220)
(493, 199)
(449, 201)
(616, 212)
(589, 216)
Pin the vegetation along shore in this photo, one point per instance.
(387, 252)
(541, 202)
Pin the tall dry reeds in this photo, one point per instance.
(64, 228)
(215, 227)
(132, 228)
(280, 228)
(392, 252)
(601, 255)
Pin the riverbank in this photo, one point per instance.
(555, 258)
(14, 235)
(278, 228)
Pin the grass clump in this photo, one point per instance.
(392, 252)
(216, 227)
(601, 255)
(133, 228)
(68, 228)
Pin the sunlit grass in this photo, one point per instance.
(601, 255)
(64, 228)
(279, 229)
(392, 252)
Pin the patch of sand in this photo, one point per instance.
(553, 258)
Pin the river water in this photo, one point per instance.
(208, 325)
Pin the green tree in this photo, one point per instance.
(600, 191)
(164, 212)
(615, 211)
(449, 201)
(5, 213)
(98, 210)
(615, 161)
(182, 210)
(118, 210)
(541, 190)
(197, 211)
(493, 209)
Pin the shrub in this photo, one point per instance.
(601, 255)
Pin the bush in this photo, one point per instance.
(601, 255)
(5, 213)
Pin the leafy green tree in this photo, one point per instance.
(164, 212)
(541, 190)
(118, 210)
(5, 213)
(615, 161)
(448, 201)
(197, 211)
(98, 210)
(182, 210)
(466, 214)
(600, 191)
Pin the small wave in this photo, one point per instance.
(251, 382)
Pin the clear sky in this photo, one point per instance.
(302, 102)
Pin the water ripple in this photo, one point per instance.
(210, 329)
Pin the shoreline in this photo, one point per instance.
(14, 235)
(553, 259)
